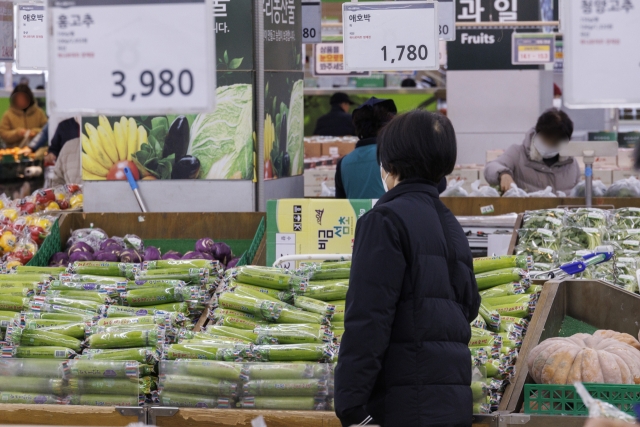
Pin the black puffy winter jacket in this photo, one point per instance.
(404, 359)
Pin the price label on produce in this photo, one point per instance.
(447, 20)
(400, 35)
(311, 22)
(131, 57)
(533, 48)
(31, 37)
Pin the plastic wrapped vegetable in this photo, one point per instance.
(283, 403)
(283, 371)
(293, 334)
(198, 385)
(482, 265)
(293, 352)
(229, 371)
(189, 400)
(127, 339)
(140, 354)
(281, 387)
(536, 219)
(629, 187)
(29, 398)
(538, 238)
(39, 338)
(103, 369)
(149, 296)
(313, 305)
(327, 290)
(499, 277)
(580, 237)
(243, 334)
(102, 399)
(587, 217)
(273, 278)
(195, 351)
(266, 309)
(538, 255)
(513, 288)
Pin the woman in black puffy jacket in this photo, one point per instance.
(404, 359)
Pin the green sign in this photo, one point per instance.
(282, 35)
(234, 34)
(603, 136)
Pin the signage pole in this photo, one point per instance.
(258, 15)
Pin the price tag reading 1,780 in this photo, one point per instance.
(133, 57)
(399, 35)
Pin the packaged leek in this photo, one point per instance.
(232, 332)
(104, 386)
(73, 303)
(95, 279)
(103, 400)
(284, 296)
(194, 351)
(30, 269)
(329, 270)
(187, 400)
(103, 369)
(43, 352)
(510, 299)
(151, 296)
(137, 320)
(326, 290)
(274, 278)
(229, 371)
(195, 276)
(481, 338)
(203, 336)
(75, 330)
(293, 352)
(29, 398)
(268, 310)
(128, 339)
(41, 307)
(138, 354)
(182, 264)
(514, 288)
(299, 387)
(247, 290)
(198, 385)
(499, 277)
(314, 305)
(293, 334)
(13, 303)
(40, 384)
(152, 283)
(284, 371)
(283, 403)
(338, 313)
(99, 298)
(59, 285)
(33, 278)
(67, 317)
(101, 268)
(219, 313)
(238, 323)
(520, 309)
(483, 265)
(490, 315)
(40, 338)
(118, 311)
(295, 315)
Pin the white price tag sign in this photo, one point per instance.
(311, 22)
(131, 57)
(399, 35)
(447, 20)
(31, 37)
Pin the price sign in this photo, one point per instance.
(447, 20)
(311, 22)
(534, 48)
(399, 35)
(31, 37)
(133, 57)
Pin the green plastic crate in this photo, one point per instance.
(247, 257)
(552, 399)
(50, 246)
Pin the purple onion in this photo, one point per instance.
(80, 256)
(130, 256)
(59, 259)
(193, 255)
(205, 245)
(233, 263)
(106, 256)
(110, 243)
(151, 254)
(80, 247)
(206, 255)
(172, 255)
(221, 252)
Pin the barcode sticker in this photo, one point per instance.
(60, 354)
(486, 209)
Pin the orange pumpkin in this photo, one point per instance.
(600, 358)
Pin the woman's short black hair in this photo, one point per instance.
(555, 125)
(418, 144)
(369, 120)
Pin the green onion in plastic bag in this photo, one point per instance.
(541, 221)
(151, 296)
(293, 334)
(138, 354)
(198, 385)
(274, 278)
(266, 309)
(182, 264)
(75, 330)
(13, 303)
(293, 315)
(490, 315)
(513, 288)
(43, 352)
(229, 371)
(126, 339)
(239, 323)
(29, 398)
(40, 384)
(283, 403)
(188, 400)
(103, 369)
(194, 351)
(219, 313)
(104, 386)
(103, 400)
(580, 237)
(284, 296)
(232, 332)
(281, 387)
(587, 217)
(327, 290)
(499, 277)
(293, 352)
(39, 338)
(283, 371)
(482, 265)
(314, 305)
(247, 290)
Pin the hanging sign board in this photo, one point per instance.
(131, 57)
(6, 31)
(311, 22)
(447, 20)
(601, 53)
(329, 60)
(399, 35)
(533, 48)
(31, 37)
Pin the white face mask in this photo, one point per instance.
(384, 180)
(545, 151)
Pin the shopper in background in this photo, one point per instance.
(536, 163)
(408, 82)
(357, 173)
(336, 122)
(404, 359)
(68, 169)
(67, 130)
(23, 120)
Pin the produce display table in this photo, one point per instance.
(471, 206)
(54, 415)
(192, 417)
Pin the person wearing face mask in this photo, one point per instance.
(404, 360)
(536, 163)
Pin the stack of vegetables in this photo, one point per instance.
(74, 382)
(508, 301)
(556, 236)
(287, 321)
(21, 236)
(61, 198)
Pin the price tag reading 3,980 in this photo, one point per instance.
(399, 35)
(447, 20)
(132, 57)
(311, 22)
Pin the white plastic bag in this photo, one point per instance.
(599, 189)
(327, 191)
(547, 192)
(484, 191)
(454, 189)
(629, 187)
(514, 191)
(599, 409)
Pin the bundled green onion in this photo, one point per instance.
(297, 403)
(293, 333)
(482, 265)
(329, 290)
(198, 385)
(40, 338)
(273, 278)
(127, 339)
(298, 387)
(187, 400)
(499, 277)
(138, 354)
(103, 400)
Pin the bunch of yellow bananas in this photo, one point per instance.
(106, 146)
(269, 137)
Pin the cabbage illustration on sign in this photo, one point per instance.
(217, 145)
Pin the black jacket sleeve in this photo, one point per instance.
(340, 193)
(377, 274)
(56, 142)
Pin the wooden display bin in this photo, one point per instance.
(54, 415)
(596, 303)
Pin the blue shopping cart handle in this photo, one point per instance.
(130, 178)
(574, 267)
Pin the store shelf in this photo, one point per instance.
(88, 416)
(471, 206)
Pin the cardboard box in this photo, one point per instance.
(313, 179)
(337, 148)
(312, 226)
(493, 154)
(624, 174)
(625, 158)
(312, 149)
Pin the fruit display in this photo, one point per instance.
(508, 302)
(16, 152)
(607, 357)
(62, 198)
